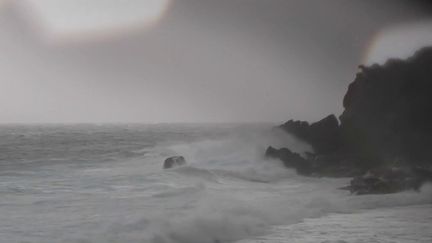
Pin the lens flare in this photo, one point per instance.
(65, 20)
(398, 42)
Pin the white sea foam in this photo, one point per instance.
(239, 194)
(227, 192)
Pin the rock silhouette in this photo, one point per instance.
(290, 159)
(174, 161)
(386, 124)
(322, 135)
(388, 110)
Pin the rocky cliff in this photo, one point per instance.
(388, 111)
(387, 123)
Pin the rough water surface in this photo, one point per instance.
(105, 183)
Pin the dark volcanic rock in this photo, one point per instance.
(322, 135)
(387, 180)
(174, 161)
(337, 165)
(387, 122)
(388, 110)
(423, 173)
(290, 160)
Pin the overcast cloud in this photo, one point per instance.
(202, 61)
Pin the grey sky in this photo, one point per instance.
(204, 61)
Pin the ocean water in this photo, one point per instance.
(105, 183)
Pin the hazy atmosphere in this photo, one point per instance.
(215, 121)
(193, 60)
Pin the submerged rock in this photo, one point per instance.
(174, 161)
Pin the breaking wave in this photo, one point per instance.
(102, 193)
(229, 192)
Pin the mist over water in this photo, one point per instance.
(94, 184)
(154, 61)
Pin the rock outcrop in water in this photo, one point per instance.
(386, 180)
(174, 161)
(323, 135)
(290, 159)
(386, 124)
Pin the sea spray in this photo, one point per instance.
(102, 193)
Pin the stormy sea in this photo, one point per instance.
(92, 183)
